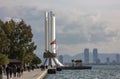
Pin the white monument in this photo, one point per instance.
(50, 53)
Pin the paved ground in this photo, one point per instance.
(36, 74)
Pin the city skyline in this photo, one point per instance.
(94, 57)
(81, 24)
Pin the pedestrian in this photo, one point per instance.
(4, 69)
(28, 67)
(18, 71)
(21, 70)
(33, 68)
(7, 72)
(0, 71)
(11, 71)
(46, 66)
(14, 70)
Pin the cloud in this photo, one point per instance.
(84, 29)
(77, 24)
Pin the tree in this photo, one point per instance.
(3, 59)
(22, 46)
(16, 41)
(36, 60)
(4, 41)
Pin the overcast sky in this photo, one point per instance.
(79, 23)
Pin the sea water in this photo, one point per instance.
(97, 72)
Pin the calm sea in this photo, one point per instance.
(97, 72)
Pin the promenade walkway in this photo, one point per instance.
(36, 74)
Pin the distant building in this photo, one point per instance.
(107, 60)
(113, 62)
(95, 56)
(117, 58)
(98, 61)
(86, 56)
(60, 58)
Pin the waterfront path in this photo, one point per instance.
(36, 74)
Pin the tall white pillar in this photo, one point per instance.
(53, 37)
(46, 31)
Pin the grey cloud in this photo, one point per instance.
(31, 15)
(84, 32)
(76, 29)
(71, 27)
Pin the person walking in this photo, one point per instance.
(14, 70)
(21, 70)
(18, 71)
(1, 72)
(7, 72)
(11, 72)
